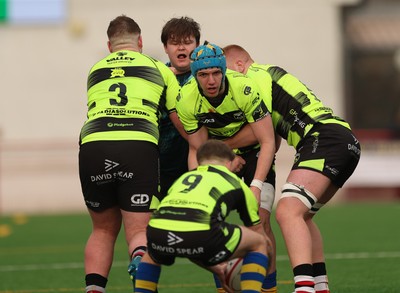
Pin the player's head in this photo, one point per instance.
(237, 58)
(180, 36)
(214, 152)
(208, 56)
(123, 33)
(179, 29)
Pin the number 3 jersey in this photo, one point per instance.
(126, 91)
(203, 197)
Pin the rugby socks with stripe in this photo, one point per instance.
(304, 279)
(95, 283)
(253, 272)
(138, 251)
(269, 284)
(320, 278)
(147, 277)
(136, 257)
(218, 284)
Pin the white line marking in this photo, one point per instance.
(62, 266)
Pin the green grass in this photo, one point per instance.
(44, 253)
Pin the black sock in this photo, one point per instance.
(96, 279)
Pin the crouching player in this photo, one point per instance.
(190, 223)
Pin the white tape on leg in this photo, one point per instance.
(293, 190)
(267, 196)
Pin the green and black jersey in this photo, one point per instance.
(126, 91)
(172, 145)
(224, 116)
(203, 197)
(174, 149)
(295, 108)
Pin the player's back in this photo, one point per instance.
(202, 197)
(295, 108)
(125, 92)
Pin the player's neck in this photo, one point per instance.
(215, 162)
(126, 47)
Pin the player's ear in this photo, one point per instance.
(140, 43)
(109, 46)
(240, 66)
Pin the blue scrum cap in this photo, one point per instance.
(207, 56)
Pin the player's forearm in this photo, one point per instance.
(178, 124)
(195, 140)
(264, 161)
(192, 160)
(243, 138)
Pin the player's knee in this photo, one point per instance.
(262, 245)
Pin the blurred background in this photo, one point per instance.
(346, 51)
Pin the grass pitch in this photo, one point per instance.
(44, 253)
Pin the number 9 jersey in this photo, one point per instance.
(204, 197)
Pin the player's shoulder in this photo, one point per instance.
(124, 58)
(240, 84)
(159, 64)
(235, 76)
(224, 174)
(189, 87)
(256, 69)
(190, 83)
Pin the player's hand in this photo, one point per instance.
(173, 69)
(220, 270)
(237, 164)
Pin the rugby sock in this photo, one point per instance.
(303, 279)
(147, 277)
(95, 283)
(269, 284)
(136, 257)
(218, 284)
(320, 278)
(138, 251)
(253, 272)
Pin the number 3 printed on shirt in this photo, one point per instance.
(121, 88)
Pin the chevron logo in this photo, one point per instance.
(108, 165)
(173, 239)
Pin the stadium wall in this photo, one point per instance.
(44, 71)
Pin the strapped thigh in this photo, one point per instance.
(316, 207)
(290, 189)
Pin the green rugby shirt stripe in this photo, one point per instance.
(232, 180)
(119, 124)
(182, 214)
(276, 73)
(147, 73)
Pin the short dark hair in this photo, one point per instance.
(214, 149)
(180, 28)
(121, 25)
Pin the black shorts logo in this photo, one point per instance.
(173, 239)
(140, 199)
(108, 165)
